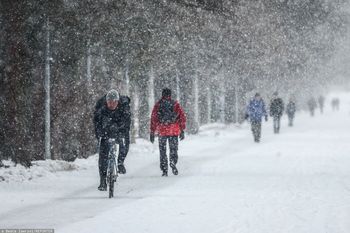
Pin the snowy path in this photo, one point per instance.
(298, 181)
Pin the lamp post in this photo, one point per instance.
(47, 94)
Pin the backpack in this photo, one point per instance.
(166, 113)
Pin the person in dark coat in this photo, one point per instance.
(255, 112)
(112, 119)
(312, 104)
(321, 100)
(168, 120)
(276, 111)
(291, 109)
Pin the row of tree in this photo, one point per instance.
(212, 54)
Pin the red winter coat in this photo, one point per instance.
(172, 129)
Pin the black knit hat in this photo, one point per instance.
(166, 92)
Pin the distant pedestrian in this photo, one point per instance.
(255, 112)
(335, 104)
(168, 120)
(312, 104)
(291, 109)
(321, 100)
(276, 111)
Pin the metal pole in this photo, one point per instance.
(88, 65)
(151, 91)
(236, 100)
(47, 94)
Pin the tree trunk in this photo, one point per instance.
(17, 81)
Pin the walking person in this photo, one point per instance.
(291, 109)
(312, 104)
(276, 111)
(321, 100)
(255, 112)
(112, 119)
(335, 104)
(168, 121)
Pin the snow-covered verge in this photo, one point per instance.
(41, 168)
(294, 182)
(50, 168)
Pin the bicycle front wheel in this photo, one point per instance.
(111, 185)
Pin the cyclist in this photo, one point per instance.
(112, 119)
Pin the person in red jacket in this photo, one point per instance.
(168, 120)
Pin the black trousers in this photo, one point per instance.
(256, 129)
(104, 150)
(173, 146)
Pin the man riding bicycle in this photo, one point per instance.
(112, 119)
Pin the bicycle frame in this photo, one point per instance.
(112, 168)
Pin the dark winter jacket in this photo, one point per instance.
(291, 108)
(170, 129)
(276, 107)
(112, 123)
(256, 110)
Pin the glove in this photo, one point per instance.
(151, 137)
(101, 135)
(266, 118)
(182, 135)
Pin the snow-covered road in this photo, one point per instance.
(297, 181)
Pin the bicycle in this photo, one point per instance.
(112, 168)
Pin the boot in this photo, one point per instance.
(103, 184)
(165, 173)
(174, 169)
(121, 169)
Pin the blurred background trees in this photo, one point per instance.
(213, 55)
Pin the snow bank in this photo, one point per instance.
(42, 168)
(50, 168)
(47, 168)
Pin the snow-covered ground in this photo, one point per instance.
(297, 181)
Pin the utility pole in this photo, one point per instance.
(127, 78)
(47, 95)
(177, 86)
(151, 98)
(196, 97)
(209, 107)
(236, 100)
(222, 99)
(196, 91)
(88, 65)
